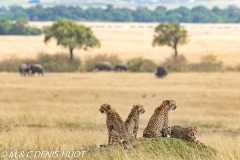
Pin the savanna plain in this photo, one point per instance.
(60, 111)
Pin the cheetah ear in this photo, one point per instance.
(137, 106)
(167, 102)
(108, 107)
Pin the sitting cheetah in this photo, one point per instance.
(132, 122)
(159, 119)
(116, 129)
(187, 133)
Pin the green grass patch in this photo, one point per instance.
(157, 148)
(141, 65)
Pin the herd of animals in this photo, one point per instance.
(30, 69)
(107, 66)
(124, 133)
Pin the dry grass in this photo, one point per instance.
(131, 40)
(60, 111)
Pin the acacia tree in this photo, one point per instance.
(170, 34)
(71, 35)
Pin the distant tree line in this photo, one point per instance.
(19, 27)
(198, 14)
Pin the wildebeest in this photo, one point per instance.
(121, 67)
(23, 69)
(103, 66)
(161, 72)
(36, 68)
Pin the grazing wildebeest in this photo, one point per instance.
(103, 66)
(161, 72)
(36, 68)
(121, 67)
(23, 69)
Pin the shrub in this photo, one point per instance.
(19, 27)
(238, 68)
(176, 64)
(11, 65)
(45, 29)
(33, 31)
(141, 65)
(59, 63)
(208, 63)
(231, 68)
(135, 64)
(90, 62)
(50, 63)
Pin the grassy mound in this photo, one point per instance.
(158, 148)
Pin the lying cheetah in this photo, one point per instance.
(187, 133)
(132, 122)
(159, 119)
(116, 129)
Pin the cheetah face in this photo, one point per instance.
(172, 104)
(192, 132)
(140, 109)
(105, 108)
(166, 132)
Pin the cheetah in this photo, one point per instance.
(187, 133)
(159, 119)
(132, 122)
(116, 130)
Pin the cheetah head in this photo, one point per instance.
(166, 131)
(140, 109)
(192, 132)
(171, 104)
(105, 108)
